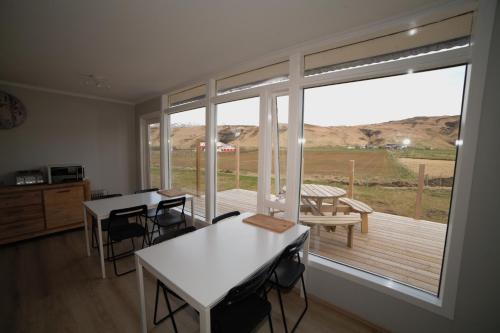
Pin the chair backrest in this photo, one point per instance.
(254, 284)
(121, 216)
(173, 234)
(225, 216)
(107, 196)
(154, 189)
(165, 205)
(294, 248)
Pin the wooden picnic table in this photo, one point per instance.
(319, 193)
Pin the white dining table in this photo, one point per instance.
(202, 266)
(100, 209)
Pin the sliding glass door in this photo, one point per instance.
(237, 151)
(153, 154)
(187, 154)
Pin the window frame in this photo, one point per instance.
(145, 121)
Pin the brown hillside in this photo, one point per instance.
(424, 132)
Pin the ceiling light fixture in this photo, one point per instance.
(96, 80)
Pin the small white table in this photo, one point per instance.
(202, 266)
(100, 209)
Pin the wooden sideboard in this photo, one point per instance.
(35, 210)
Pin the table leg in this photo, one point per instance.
(142, 298)
(101, 251)
(305, 261)
(85, 225)
(335, 205)
(320, 205)
(205, 321)
(192, 211)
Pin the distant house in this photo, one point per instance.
(395, 146)
(221, 147)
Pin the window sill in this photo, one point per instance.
(384, 285)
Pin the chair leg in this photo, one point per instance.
(282, 309)
(94, 237)
(155, 321)
(165, 294)
(115, 258)
(269, 314)
(170, 312)
(270, 323)
(306, 302)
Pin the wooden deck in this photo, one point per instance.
(404, 249)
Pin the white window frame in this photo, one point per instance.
(475, 55)
(145, 121)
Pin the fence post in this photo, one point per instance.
(350, 189)
(420, 190)
(198, 162)
(238, 166)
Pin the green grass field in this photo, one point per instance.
(330, 166)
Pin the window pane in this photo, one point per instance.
(388, 143)
(279, 143)
(237, 155)
(154, 154)
(187, 155)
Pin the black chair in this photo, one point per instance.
(245, 306)
(287, 273)
(225, 216)
(154, 189)
(168, 235)
(104, 223)
(151, 212)
(120, 228)
(167, 217)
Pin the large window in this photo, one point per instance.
(237, 155)
(187, 155)
(389, 143)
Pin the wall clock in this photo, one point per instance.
(12, 111)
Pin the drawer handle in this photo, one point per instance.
(63, 191)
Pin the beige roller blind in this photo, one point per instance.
(188, 95)
(446, 30)
(268, 74)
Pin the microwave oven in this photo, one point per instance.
(65, 173)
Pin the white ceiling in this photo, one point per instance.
(144, 48)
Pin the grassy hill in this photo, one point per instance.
(424, 132)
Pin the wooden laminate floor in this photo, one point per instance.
(50, 285)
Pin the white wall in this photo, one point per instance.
(66, 129)
(478, 298)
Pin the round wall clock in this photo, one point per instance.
(12, 111)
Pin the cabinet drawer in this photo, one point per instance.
(8, 230)
(16, 214)
(63, 206)
(16, 199)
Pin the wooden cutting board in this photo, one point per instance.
(171, 193)
(269, 222)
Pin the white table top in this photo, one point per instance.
(207, 263)
(102, 207)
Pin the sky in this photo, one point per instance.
(431, 93)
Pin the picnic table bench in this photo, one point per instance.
(358, 207)
(329, 222)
